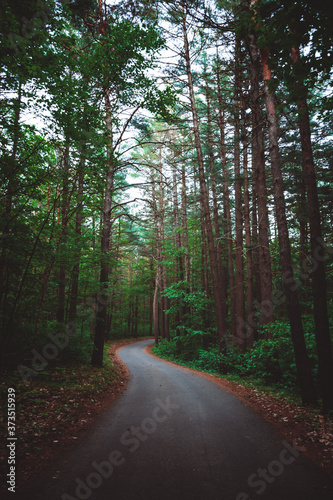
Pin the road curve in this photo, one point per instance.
(176, 435)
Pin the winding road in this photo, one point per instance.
(176, 435)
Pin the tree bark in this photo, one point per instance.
(319, 285)
(158, 325)
(184, 225)
(218, 240)
(155, 306)
(163, 281)
(64, 221)
(297, 333)
(239, 264)
(78, 229)
(249, 330)
(177, 224)
(258, 153)
(226, 204)
(99, 338)
(219, 306)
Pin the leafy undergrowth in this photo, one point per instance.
(307, 426)
(55, 407)
(58, 401)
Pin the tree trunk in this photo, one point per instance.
(99, 338)
(226, 205)
(177, 226)
(158, 325)
(151, 289)
(319, 285)
(136, 317)
(155, 306)
(260, 186)
(249, 330)
(218, 240)
(219, 306)
(184, 225)
(255, 252)
(64, 220)
(78, 228)
(294, 311)
(163, 281)
(239, 264)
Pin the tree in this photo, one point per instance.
(294, 311)
(203, 189)
(294, 36)
(127, 66)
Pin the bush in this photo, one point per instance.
(209, 361)
(166, 349)
(271, 360)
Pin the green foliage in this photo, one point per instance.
(271, 360)
(80, 340)
(279, 26)
(196, 301)
(188, 342)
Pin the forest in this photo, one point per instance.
(166, 171)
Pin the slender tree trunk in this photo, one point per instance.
(249, 333)
(64, 220)
(163, 281)
(223, 282)
(184, 225)
(219, 306)
(179, 271)
(151, 286)
(136, 317)
(166, 306)
(260, 186)
(99, 338)
(239, 264)
(161, 303)
(294, 311)
(177, 226)
(129, 317)
(130, 283)
(319, 285)
(226, 204)
(302, 220)
(77, 253)
(158, 325)
(255, 252)
(155, 306)
(204, 280)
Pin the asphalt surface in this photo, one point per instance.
(176, 435)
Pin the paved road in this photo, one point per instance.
(175, 435)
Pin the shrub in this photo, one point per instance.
(271, 360)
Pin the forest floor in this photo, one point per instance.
(51, 416)
(52, 412)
